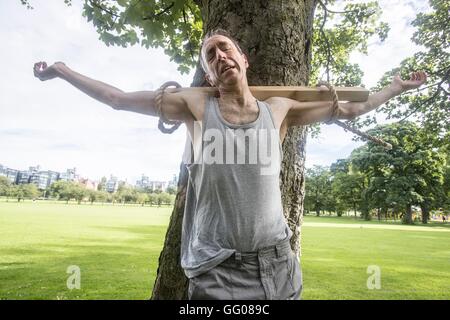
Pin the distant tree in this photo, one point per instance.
(152, 198)
(79, 192)
(409, 174)
(102, 196)
(5, 185)
(92, 195)
(63, 190)
(347, 190)
(171, 190)
(141, 198)
(318, 188)
(25, 191)
(102, 184)
(446, 185)
(126, 194)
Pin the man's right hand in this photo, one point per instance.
(42, 72)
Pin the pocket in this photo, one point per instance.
(191, 288)
(295, 277)
(282, 277)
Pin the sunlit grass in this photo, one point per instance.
(117, 250)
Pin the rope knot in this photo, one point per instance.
(159, 101)
(334, 116)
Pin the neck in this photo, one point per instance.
(238, 94)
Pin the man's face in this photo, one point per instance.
(226, 65)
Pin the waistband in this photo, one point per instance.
(282, 248)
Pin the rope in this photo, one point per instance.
(158, 103)
(334, 115)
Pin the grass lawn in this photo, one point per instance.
(117, 250)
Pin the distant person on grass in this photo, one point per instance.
(235, 240)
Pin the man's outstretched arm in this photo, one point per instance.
(303, 113)
(174, 105)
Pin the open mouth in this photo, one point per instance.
(227, 68)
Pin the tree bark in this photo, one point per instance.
(407, 217)
(425, 213)
(276, 37)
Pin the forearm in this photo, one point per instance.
(352, 110)
(96, 89)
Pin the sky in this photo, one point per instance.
(56, 126)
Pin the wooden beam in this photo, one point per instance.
(296, 93)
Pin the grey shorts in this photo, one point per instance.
(272, 273)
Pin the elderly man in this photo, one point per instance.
(235, 240)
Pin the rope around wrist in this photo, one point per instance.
(334, 115)
(158, 103)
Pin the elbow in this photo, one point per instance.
(115, 100)
(350, 111)
(347, 114)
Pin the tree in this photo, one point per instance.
(102, 184)
(63, 190)
(102, 196)
(171, 190)
(282, 50)
(25, 191)
(409, 174)
(141, 198)
(318, 181)
(348, 190)
(165, 198)
(5, 185)
(92, 195)
(428, 105)
(79, 192)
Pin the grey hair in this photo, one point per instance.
(210, 34)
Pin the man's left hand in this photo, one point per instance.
(415, 81)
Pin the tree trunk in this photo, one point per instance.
(276, 36)
(425, 213)
(407, 217)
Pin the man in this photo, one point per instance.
(235, 241)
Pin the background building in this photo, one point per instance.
(112, 184)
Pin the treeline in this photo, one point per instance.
(383, 183)
(69, 190)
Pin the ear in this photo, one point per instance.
(207, 77)
(245, 60)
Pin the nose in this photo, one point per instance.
(220, 54)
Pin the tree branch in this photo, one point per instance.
(188, 34)
(425, 103)
(98, 6)
(165, 10)
(329, 57)
(339, 12)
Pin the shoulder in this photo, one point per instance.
(196, 102)
(279, 107)
(278, 102)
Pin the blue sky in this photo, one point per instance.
(55, 125)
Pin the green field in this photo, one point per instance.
(117, 250)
